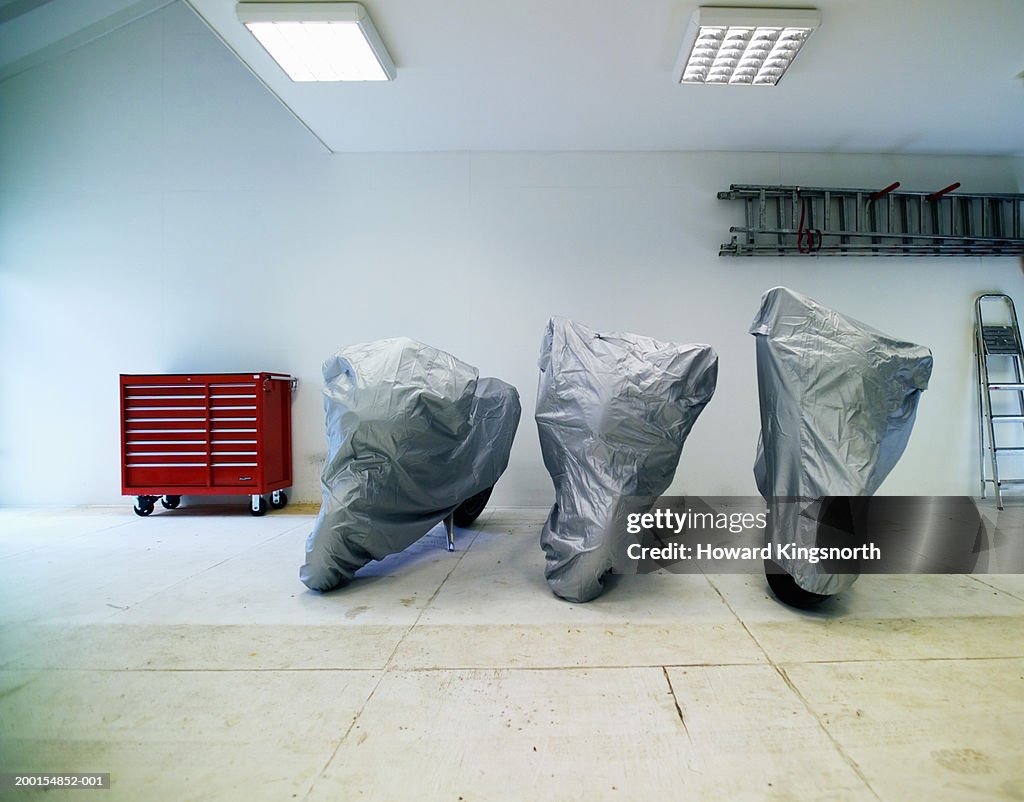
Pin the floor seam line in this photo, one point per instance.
(203, 571)
(675, 701)
(789, 683)
(84, 534)
(387, 666)
(272, 538)
(14, 666)
(993, 587)
(821, 725)
(170, 587)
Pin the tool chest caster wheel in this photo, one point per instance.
(170, 502)
(278, 499)
(144, 505)
(258, 506)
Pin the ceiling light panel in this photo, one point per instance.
(743, 46)
(319, 41)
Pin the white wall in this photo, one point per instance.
(160, 212)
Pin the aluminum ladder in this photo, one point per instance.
(832, 221)
(1000, 360)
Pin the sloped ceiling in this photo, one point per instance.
(892, 76)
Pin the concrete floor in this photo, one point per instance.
(181, 654)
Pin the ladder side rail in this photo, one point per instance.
(882, 250)
(739, 190)
(1018, 358)
(979, 356)
(1019, 393)
(842, 232)
(1014, 324)
(991, 432)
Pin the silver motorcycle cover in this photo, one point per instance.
(412, 432)
(613, 412)
(838, 402)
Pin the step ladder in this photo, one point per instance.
(1000, 358)
(833, 221)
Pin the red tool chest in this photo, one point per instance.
(206, 434)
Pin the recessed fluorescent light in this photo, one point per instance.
(319, 41)
(743, 46)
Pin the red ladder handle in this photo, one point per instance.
(886, 191)
(936, 195)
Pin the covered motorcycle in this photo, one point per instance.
(838, 402)
(613, 412)
(414, 435)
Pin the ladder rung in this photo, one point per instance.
(1011, 481)
(1000, 449)
(1009, 418)
(1006, 386)
(999, 340)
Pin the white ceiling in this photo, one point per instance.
(879, 76)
